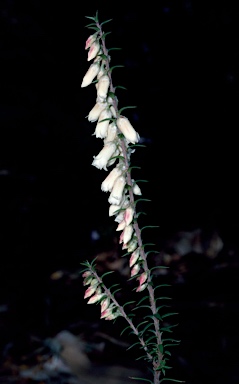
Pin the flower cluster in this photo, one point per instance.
(118, 134)
(109, 311)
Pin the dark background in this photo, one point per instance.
(181, 71)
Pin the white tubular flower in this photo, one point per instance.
(128, 131)
(90, 291)
(111, 133)
(119, 217)
(136, 189)
(127, 233)
(112, 161)
(134, 257)
(101, 71)
(95, 111)
(117, 190)
(135, 270)
(113, 210)
(108, 183)
(121, 226)
(90, 74)
(93, 51)
(95, 298)
(90, 40)
(102, 126)
(128, 215)
(103, 86)
(112, 108)
(108, 311)
(113, 316)
(100, 161)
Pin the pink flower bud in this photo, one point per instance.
(136, 189)
(127, 233)
(134, 257)
(102, 126)
(141, 287)
(103, 86)
(104, 304)
(93, 51)
(86, 274)
(90, 40)
(90, 74)
(117, 190)
(142, 278)
(132, 245)
(108, 183)
(95, 298)
(107, 311)
(100, 161)
(135, 270)
(90, 291)
(128, 215)
(96, 110)
(128, 131)
(121, 226)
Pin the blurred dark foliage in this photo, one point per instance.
(181, 71)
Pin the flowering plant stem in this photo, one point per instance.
(120, 140)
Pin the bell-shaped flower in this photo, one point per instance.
(117, 190)
(128, 131)
(128, 215)
(109, 181)
(90, 74)
(96, 111)
(94, 50)
(135, 270)
(114, 157)
(100, 161)
(119, 217)
(134, 257)
(103, 123)
(108, 311)
(113, 316)
(113, 210)
(111, 133)
(121, 226)
(90, 40)
(104, 304)
(141, 287)
(103, 86)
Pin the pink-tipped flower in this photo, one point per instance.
(128, 131)
(93, 51)
(102, 125)
(90, 74)
(108, 311)
(134, 257)
(86, 274)
(117, 190)
(112, 316)
(141, 287)
(111, 133)
(95, 298)
(126, 234)
(109, 181)
(100, 161)
(90, 40)
(96, 111)
(103, 86)
(128, 215)
(104, 304)
(135, 270)
(121, 226)
(89, 292)
(142, 278)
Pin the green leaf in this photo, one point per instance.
(106, 21)
(161, 348)
(169, 314)
(94, 28)
(141, 181)
(114, 49)
(117, 290)
(136, 201)
(125, 330)
(129, 302)
(90, 25)
(121, 87)
(176, 381)
(107, 273)
(159, 266)
(91, 18)
(144, 298)
(140, 378)
(116, 66)
(145, 328)
(133, 345)
(150, 226)
(122, 109)
(104, 35)
(167, 353)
